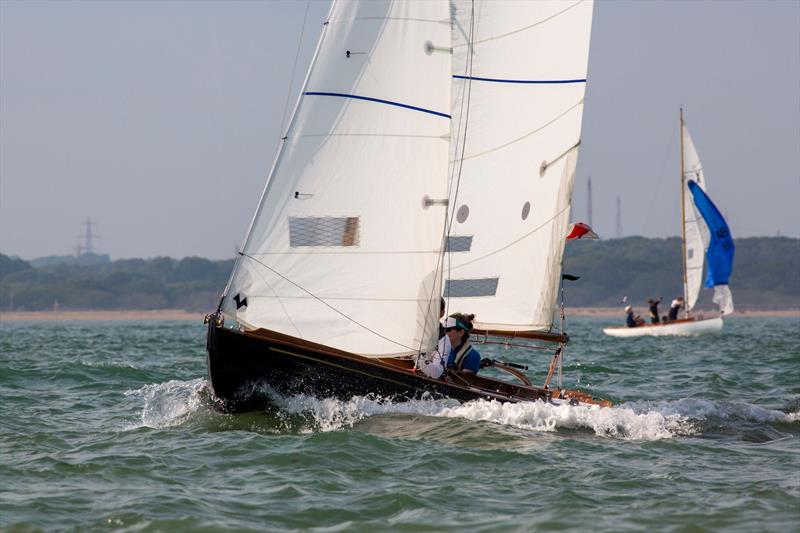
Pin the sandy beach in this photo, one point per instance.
(179, 314)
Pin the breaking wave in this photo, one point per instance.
(631, 421)
(172, 403)
(168, 404)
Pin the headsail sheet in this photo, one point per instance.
(696, 233)
(519, 82)
(720, 249)
(343, 249)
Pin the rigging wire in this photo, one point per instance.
(463, 117)
(294, 67)
(659, 181)
(243, 254)
(280, 301)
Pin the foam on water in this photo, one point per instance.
(171, 404)
(633, 421)
(168, 404)
(618, 422)
(699, 409)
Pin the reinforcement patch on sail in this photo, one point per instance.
(470, 288)
(323, 231)
(461, 243)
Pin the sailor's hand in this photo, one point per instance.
(486, 362)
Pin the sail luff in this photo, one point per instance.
(277, 159)
(695, 231)
(344, 250)
(523, 70)
(683, 218)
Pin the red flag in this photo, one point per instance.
(579, 230)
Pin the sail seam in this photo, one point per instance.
(325, 303)
(512, 243)
(349, 252)
(392, 135)
(509, 143)
(379, 101)
(402, 19)
(337, 298)
(551, 17)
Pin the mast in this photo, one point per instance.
(683, 223)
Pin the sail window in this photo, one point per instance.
(323, 231)
(526, 210)
(470, 288)
(690, 253)
(462, 214)
(461, 243)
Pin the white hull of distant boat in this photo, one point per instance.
(680, 328)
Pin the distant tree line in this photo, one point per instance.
(192, 283)
(766, 272)
(766, 276)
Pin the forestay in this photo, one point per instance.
(519, 81)
(696, 233)
(342, 250)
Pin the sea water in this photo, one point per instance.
(107, 426)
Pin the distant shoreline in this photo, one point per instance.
(98, 316)
(190, 316)
(618, 312)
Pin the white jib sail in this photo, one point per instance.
(519, 81)
(695, 229)
(342, 250)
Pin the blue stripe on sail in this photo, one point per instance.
(721, 249)
(388, 102)
(500, 80)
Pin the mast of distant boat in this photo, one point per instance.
(683, 223)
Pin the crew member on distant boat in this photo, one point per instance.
(463, 357)
(630, 320)
(653, 307)
(674, 307)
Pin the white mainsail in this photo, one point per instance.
(343, 250)
(695, 230)
(519, 82)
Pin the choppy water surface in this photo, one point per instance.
(106, 426)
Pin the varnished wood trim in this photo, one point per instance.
(538, 335)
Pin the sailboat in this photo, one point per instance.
(705, 239)
(431, 154)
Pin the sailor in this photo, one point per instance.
(652, 304)
(463, 357)
(630, 320)
(444, 346)
(432, 363)
(442, 307)
(674, 307)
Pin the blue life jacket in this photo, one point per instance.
(466, 358)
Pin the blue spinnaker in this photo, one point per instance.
(720, 249)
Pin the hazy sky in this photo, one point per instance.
(160, 120)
